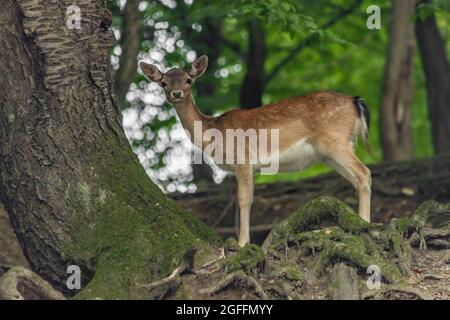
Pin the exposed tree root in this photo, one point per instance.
(172, 278)
(387, 290)
(240, 280)
(214, 261)
(20, 283)
(327, 231)
(325, 250)
(437, 238)
(344, 283)
(404, 232)
(395, 235)
(159, 289)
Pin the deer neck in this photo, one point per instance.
(191, 118)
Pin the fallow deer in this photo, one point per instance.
(321, 126)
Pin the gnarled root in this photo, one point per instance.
(238, 279)
(404, 232)
(170, 283)
(344, 283)
(389, 290)
(437, 238)
(19, 283)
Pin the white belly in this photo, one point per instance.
(297, 157)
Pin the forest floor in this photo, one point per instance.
(291, 271)
(430, 274)
(398, 189)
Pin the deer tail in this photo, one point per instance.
(364, 115)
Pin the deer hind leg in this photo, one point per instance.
(352, 169)
(244, 177)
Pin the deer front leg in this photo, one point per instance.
(244, 177)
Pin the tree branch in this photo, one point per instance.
(299, 47)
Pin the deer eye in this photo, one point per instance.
(164, 84)
(189, 81)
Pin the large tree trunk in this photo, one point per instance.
(395, 116)
(73, 188)
(437, 73)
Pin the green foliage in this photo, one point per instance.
(346, 57)
(424, 9)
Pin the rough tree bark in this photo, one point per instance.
(395, 115)
(437, 73)
(73, 188)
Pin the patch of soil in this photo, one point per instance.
(431, 272)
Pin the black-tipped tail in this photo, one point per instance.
(363, 109)
(364, 115)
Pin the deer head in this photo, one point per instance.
(176, 82)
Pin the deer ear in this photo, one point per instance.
(151, 71)
(198, 67)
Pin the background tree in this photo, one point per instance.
(396, 106)
(328, 48)
(130, 43)
(437, 73)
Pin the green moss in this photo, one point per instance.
(328, 231)
(289, 271)
(182, 294)
(323, 211)
(205, 254)
(232, 245)
(250, 259)
(328, 209)
(318, 213)
(126, 228)
(353, 249)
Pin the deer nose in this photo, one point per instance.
(177, 94)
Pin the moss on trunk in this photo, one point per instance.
(125, 229)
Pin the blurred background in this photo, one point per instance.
(267, 50)
(264, 51)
